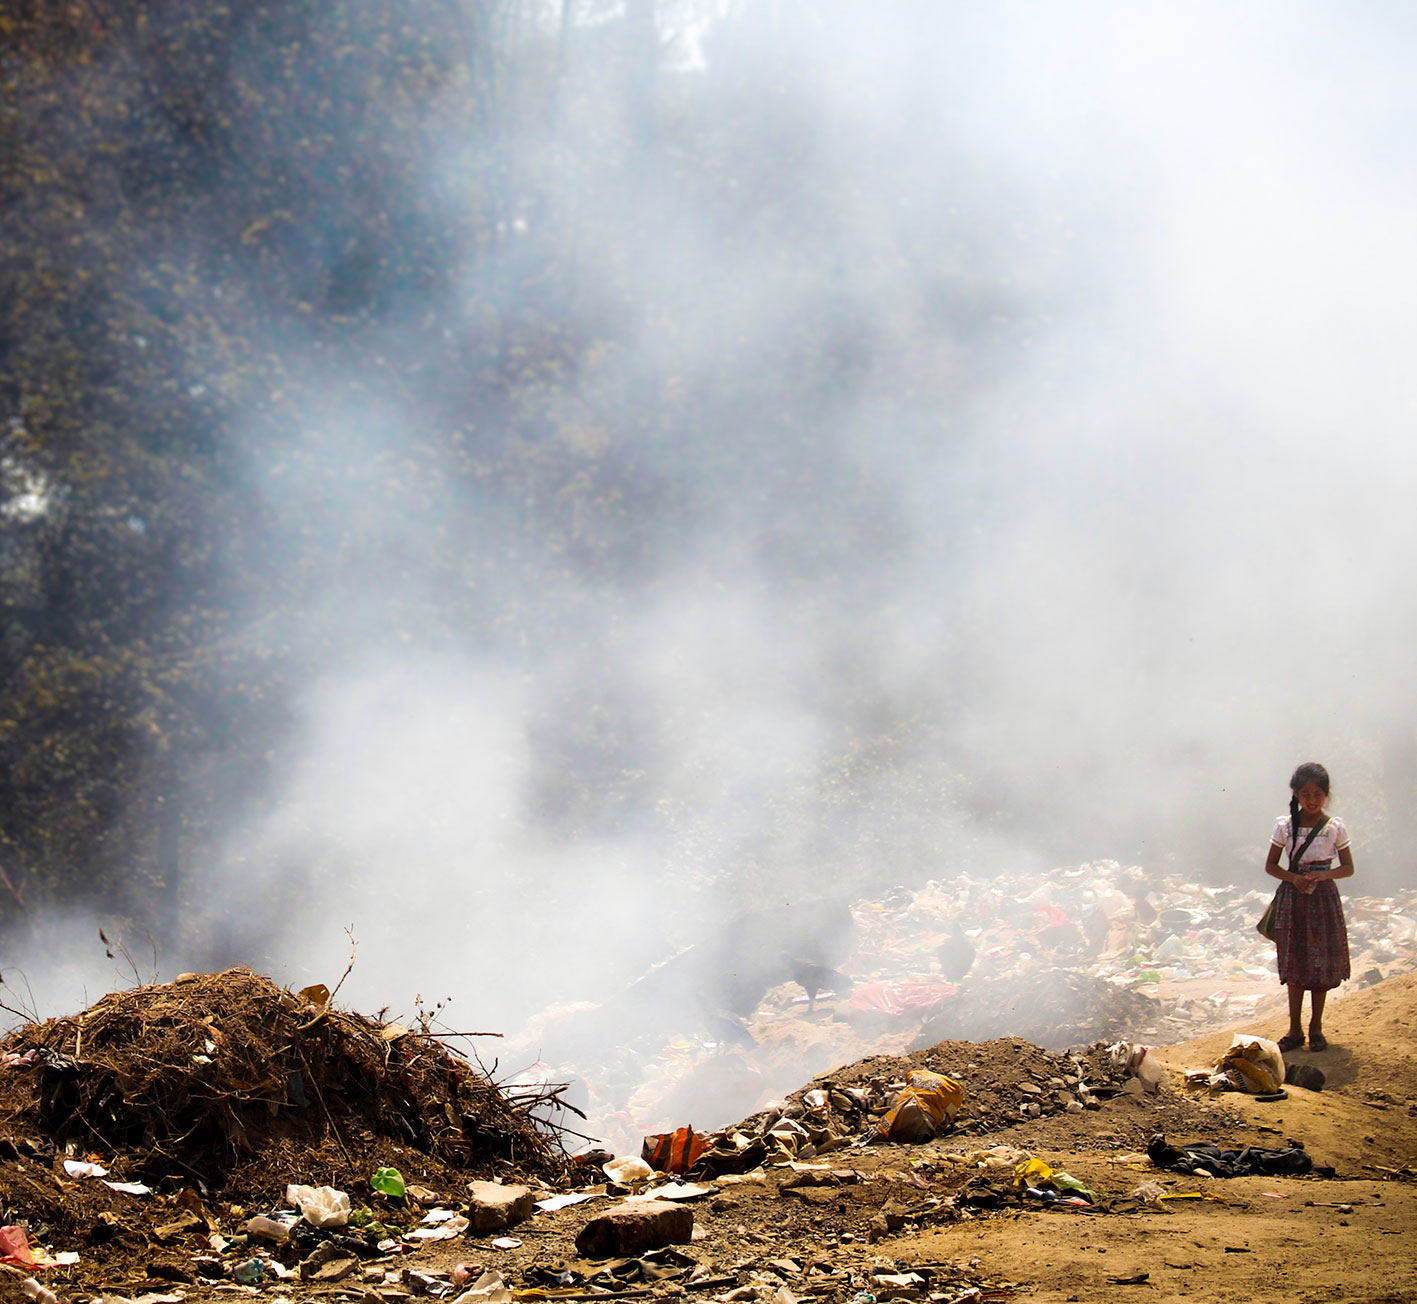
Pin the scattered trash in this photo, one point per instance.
(444, 1228)
(466, 1272)
(38, 1292)
(673, 1191)
(267, 1229)
(322, 1206)
(1040, 1180)
(1252, 1064)
(78, 1168)
(630, 1171)
(674, 1152)
(1138, 1062)
(250, 1273)
(427, 1283)
(927, 1103)
(1210, 1160)
(554, 1202)
(1151, 1194)
(15, 1246)
(490, 1288)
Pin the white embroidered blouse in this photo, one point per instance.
(1325, 847)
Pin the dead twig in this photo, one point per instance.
(348, 969)
(324, 1109)
(26, 1012)
(113, 950)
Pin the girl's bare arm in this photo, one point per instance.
(1271, 866)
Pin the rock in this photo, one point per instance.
(890, 1219)
(632, 1229)
(322, 1256)
(493, 1207)
(1304, 1075)
(182, 1225)
(334, 1270)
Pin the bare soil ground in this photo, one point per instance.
(894, 1209)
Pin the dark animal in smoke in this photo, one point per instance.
(724, 974)
(956, 954)
(751, 952)
(814, 977)
(1061, 941)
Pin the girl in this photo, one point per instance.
(1309, 928)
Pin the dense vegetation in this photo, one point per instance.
(277, 280)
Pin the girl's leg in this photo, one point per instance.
(1296, 1012)
(1316, 1014)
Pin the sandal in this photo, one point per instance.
(1291, 1042)
(1317, 1041)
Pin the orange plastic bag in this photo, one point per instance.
(675, 1152)
(928, 1102)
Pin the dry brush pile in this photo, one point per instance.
(234, 1082)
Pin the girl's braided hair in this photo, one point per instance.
(1309, 772)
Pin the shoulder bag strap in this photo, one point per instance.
(1296, 856)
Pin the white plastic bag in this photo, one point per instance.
(490, 1288)
(629, 1170)
(1253, 1064)
(320, 1206)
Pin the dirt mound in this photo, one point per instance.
(1060, 1008)
(1372, 1043)
(1009, 1084)
(234, 1083)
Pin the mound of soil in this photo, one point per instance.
(233, 1084)
(1007, 1082)
(1057, 1009)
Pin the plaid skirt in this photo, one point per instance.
(1311, 937)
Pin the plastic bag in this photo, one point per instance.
(628, 1171)
(490, 1288)
(1151, 1194)
(675, 1152)
(15, 1246)
(1253, 1064)
(1033, 1172)
(321, 1206)
(928, 1102)
(1139, 1063)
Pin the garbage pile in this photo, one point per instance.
(1102, 950)
(953, 1086)
(231, 1082)
(1098, 952)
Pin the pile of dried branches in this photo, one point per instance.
(206, 1071)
